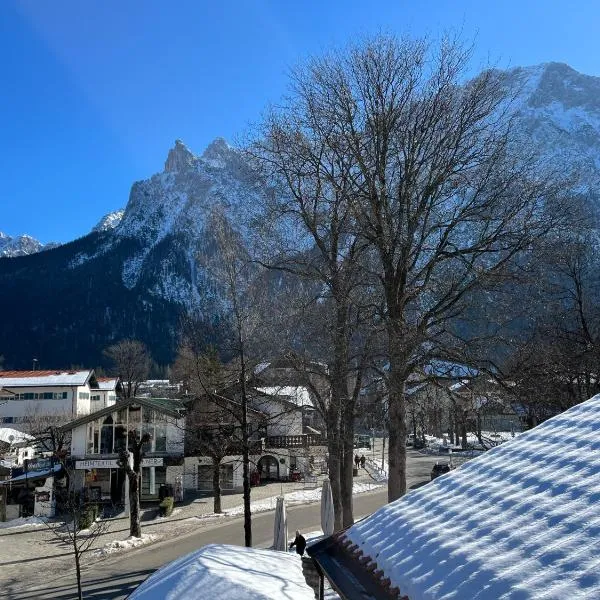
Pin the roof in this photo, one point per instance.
(225, 572)
(169, 406)
(13, 436)
(107, 383)
(297, 395)
(522, 520)
(44, 378)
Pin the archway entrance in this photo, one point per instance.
(268, 467)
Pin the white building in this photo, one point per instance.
(98, 437)
(106, 394)
(26, 395)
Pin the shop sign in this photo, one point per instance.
(113, 463)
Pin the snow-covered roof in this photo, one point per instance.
(522, 520)
(10, 379)
(224, 572)
(298, 395)
(107, 383)
(13, 436)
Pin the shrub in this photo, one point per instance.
(165, 508)
(88, 516)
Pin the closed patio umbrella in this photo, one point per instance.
(327, 512)
(280, 534)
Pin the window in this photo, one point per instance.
(95, 397)
(84, 395)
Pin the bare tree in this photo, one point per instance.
(442, 197)
(131, 362)
(78, 527)
(311, 234)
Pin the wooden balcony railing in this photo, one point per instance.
(294, 441)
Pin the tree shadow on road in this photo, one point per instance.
(99, 588)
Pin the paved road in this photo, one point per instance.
(116, 577)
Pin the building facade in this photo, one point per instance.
(98, 437)
(59, 395)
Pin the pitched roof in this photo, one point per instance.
(44, 378)
(169, 406)
(107, 383)
(522, 519)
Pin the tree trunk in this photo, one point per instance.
(451, 424)
(216, 485)
(333, 465)
(135, 527)
(77, 570)
(245, 449)
(347, 463)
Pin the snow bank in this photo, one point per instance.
(23, 522)
(521, 521)
(228, 572)
(127, 544)
(295, 498)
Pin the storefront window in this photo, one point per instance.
(160, 438)
(120, 437)
(107, 436)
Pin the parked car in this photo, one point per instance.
(440, 469)
(419, 444)
(362, 441)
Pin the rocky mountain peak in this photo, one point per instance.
(218, 148)
(179, 158)
(109, 221)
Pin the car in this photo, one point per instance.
(440, 468)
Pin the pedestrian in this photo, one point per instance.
(356, 460)
(299, 542)
(363, 460)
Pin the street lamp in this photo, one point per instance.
(35, 361)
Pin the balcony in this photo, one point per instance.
(294, 441)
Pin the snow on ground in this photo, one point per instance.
(521, 521)
(127, 544)
(220, 571)
(295, 498)
(23, 522)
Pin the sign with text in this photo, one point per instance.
(113, 464)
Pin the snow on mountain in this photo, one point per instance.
(558, 114)
(109, 221)
(177, 206)
(22, 245)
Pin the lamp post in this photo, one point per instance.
(35, 361)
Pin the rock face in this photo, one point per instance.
(109, 221)
(140, 269)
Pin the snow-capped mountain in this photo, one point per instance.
(22, 245)
(138, 271)
(109, 221)
(558, 113)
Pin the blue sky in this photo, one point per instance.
(95, 93)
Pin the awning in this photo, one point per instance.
(31, 475)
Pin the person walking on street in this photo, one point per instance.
(356, 461)
(363, 460)
(299, 542)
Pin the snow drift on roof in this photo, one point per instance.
(521, 521)
(228, 572)
(12, 436)
(42, 378)
(298, 395)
